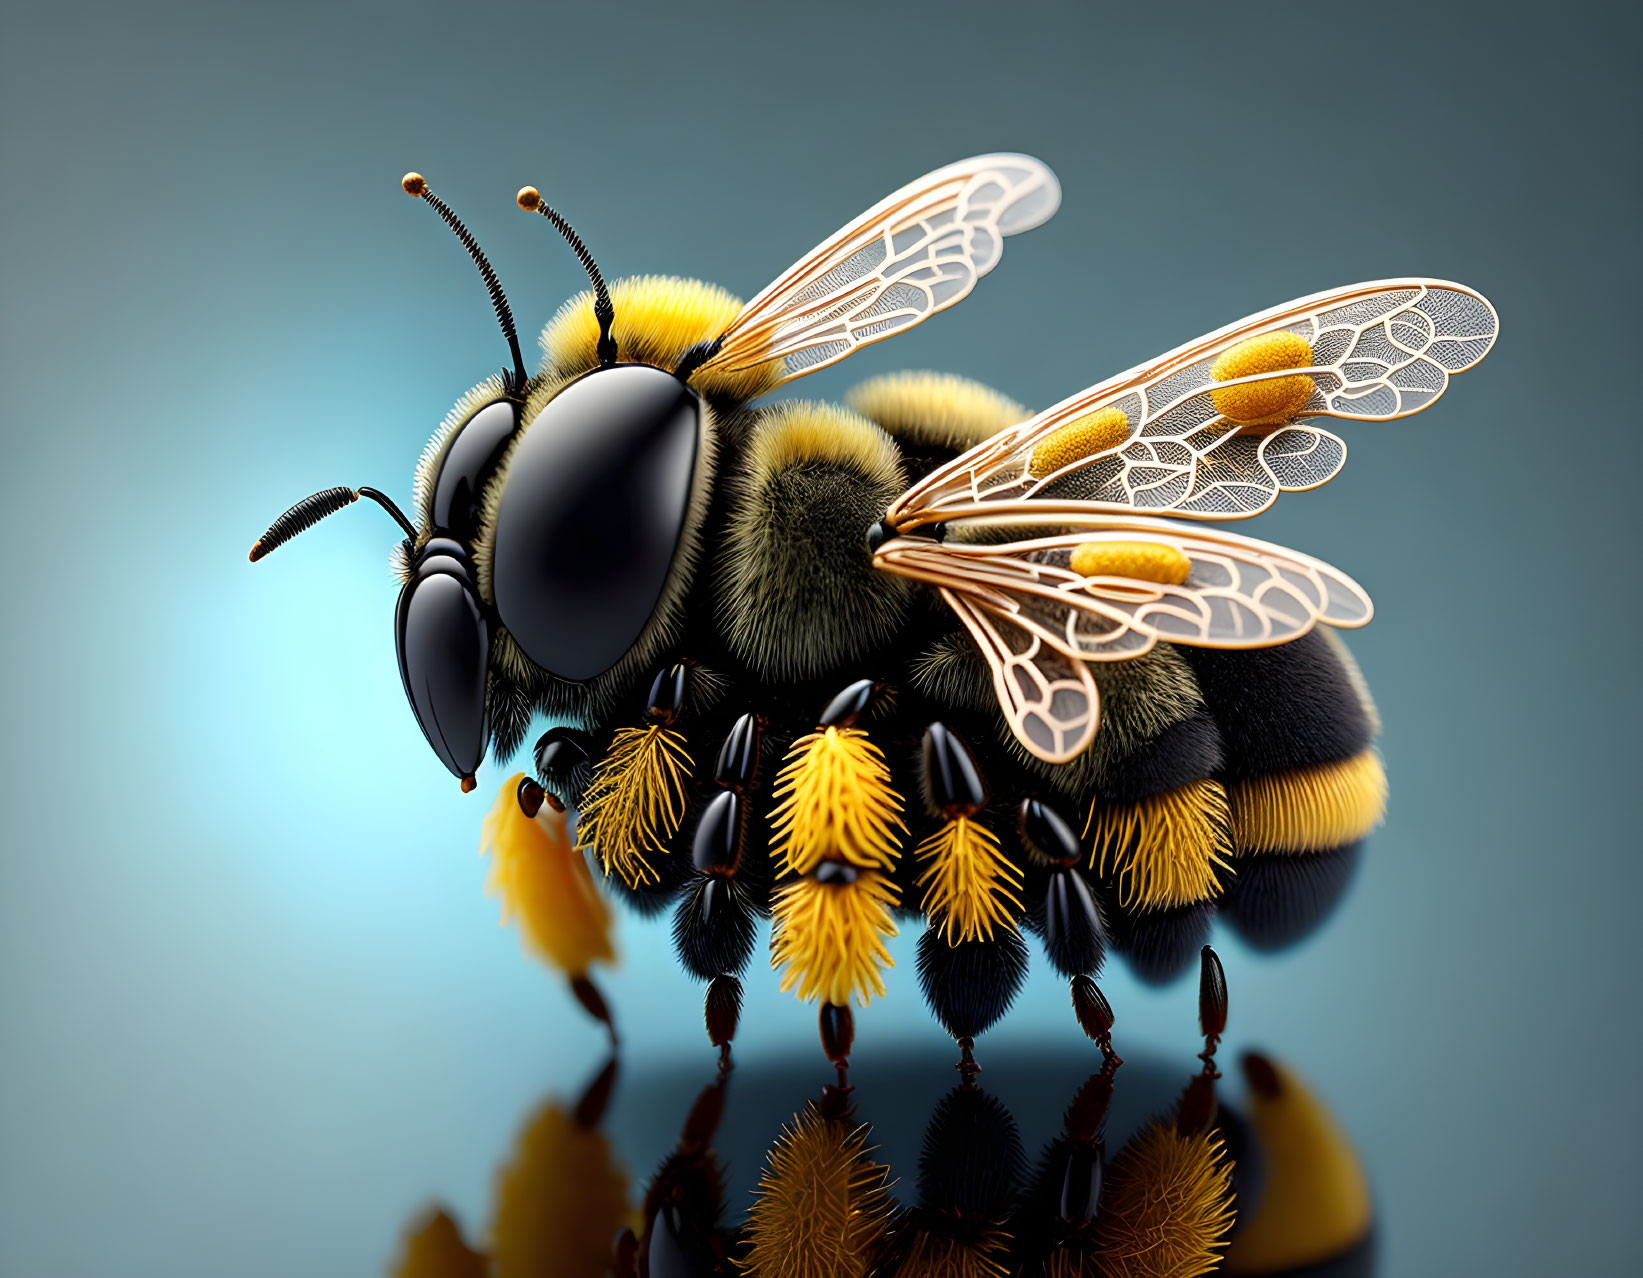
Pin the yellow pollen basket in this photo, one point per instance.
(831, 937)
(1263, 403)
(1091, 434)
(834, 799)
(545, 885)
(1138, 560)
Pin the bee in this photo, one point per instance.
(925, 655)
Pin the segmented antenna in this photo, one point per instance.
(416, 185)
(310, 510)
(530, 199)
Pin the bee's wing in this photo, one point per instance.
(910, 255)
(1048, 698)
(1164, 436)
(1237, 593)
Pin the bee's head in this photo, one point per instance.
(573, 556)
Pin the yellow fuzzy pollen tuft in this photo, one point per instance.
(981, 1253)
(1309, 809)
(1164, 849)
(434, 1249)
(830, 937)
(1091, 434)
(833, 800)
(821, 1208)
(967, 887)
(545, 885)
(935, 409)
(560, 1200)
(635, 801)
(1166, 1207)
(1262, 403)
(658, 319)
(1137, 560)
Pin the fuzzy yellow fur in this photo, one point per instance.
(1274, 400)
(935, 410)
(1309, 809)
(559, 1200)
(1166, 1207)
(545, 885)
(635, 801)
(1164, 849)
(833, 799)
(1083, 437)
(982, 1254)
(821, 1207)
(806, 431)
(658, 319)
(830, 937)
(968, 882)
(434, 1248)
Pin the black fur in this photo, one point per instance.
(1292, 706)
(713, 927)
(972, 1161)
(969, 986)
(1161, 944)
(1276, 899)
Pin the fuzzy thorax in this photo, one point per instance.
(1167, 1206)
(658, 319)
(831, 937)
(1309, 809)
(821, 1207)
(545, 885)
(969, 884)
(635, 801)
(1164, 849)
(935, 410)
(797, 591)
(834, 799)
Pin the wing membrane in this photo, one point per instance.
(1378, 351)
(911, 255)
(1048, 699)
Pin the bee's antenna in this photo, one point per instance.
(310, 510)
(416, 185)
(530, 199)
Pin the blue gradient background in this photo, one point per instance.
(256, 1008)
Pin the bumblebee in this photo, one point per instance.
(928, 655)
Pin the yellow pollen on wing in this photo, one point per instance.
(1263, 403)
(1139, 560)
(1091, 434)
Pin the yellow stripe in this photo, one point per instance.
(1309, 809)
(1164, 849)
(830, 937)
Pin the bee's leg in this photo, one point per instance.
(838, 1035)
(837, 839)
(722, 1009)
(1066, 911)
(971, 959)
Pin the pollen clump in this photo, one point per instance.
(969, 882)
(1164, 849)
(833, 799)
(635, 801)
(830, 937)
(1274, 400)
(1091, 434)
(1138, 560)
(545, 885)
(821, 1208)
(1309, 809)
(1167, 1206)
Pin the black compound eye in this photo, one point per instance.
(468, 462)
(595, 505)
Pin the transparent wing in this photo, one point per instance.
(1197, 434)
(914, 253)
(1048, 698)
(1227, 591)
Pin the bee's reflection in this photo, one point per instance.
(1200, 1186)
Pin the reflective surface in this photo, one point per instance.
(256, 1007)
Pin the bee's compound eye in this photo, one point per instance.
(595, 504)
